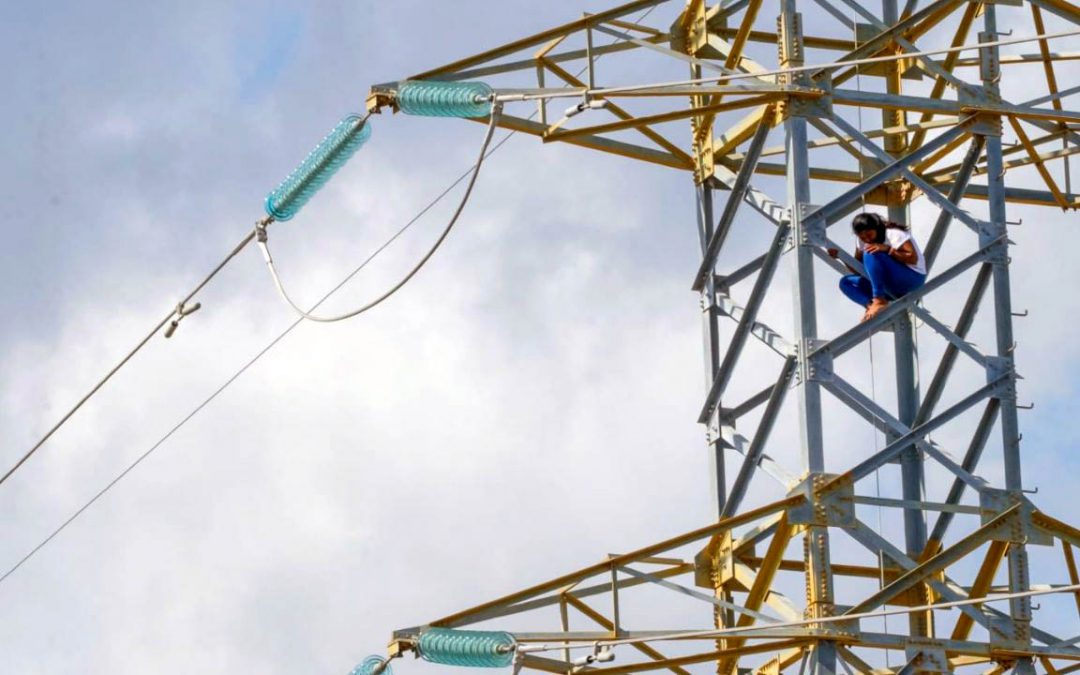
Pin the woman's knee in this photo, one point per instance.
(849, 281)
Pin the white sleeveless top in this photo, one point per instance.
(895, 238)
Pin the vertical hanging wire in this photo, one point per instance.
(870, 347)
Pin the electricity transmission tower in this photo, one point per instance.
(792, 562)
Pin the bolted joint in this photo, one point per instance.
(998, 367)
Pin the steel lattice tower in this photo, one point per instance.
(957, 540)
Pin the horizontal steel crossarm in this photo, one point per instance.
(538, 38)
(671, 90)
(856, 400)
(918, 574)
(746, 650)
(530, 63)
(619, 112)
(931, 192)
(653, 579)
(837, 207)
(1024, 196)
(605, 567)
(608, 625)
(761, 436)
(873, 99)
(741, 444)
(859, 332)
(745, 325)
(948, 358)
(970, 461)
(554, 597)
(747, 102)
(955, 648)
(608, 145)
(735, 199)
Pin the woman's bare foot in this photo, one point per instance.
(874, 308)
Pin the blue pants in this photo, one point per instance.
(885, 278)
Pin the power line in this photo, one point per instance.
(198, 408)
(178, 312)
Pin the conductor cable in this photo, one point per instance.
(181, 310)
(262, 240)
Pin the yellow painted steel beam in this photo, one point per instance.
(607, 145)
(743, 581)
(1044, 50)
(763, 648)
(981, 586)
(770, 565)
(738, 132)
(635, 122)
(785, 660)
(1040, 166)
(811, 41)
(910, 29)
(732, 61)
(858, 571)
(947, 174)
(537, 38)
(1070, 564)
(620, 112)
(942, 153)
(1073, 11)
(625, 559)
(605, 623)
(630, 25)
(959, 37)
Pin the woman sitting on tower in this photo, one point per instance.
(893, 263)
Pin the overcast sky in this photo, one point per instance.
(524, 407)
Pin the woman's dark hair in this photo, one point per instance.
(875, 222)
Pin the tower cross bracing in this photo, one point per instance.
(802, 113)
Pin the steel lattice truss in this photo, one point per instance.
(939, 121)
